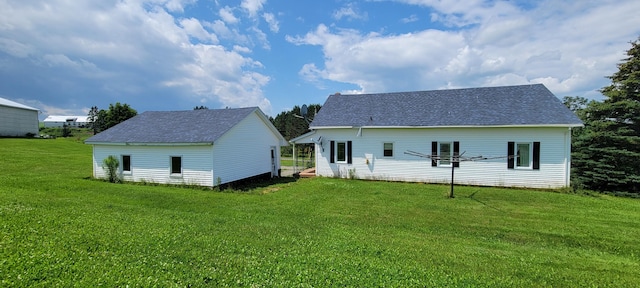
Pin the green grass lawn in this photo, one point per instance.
(61, 228)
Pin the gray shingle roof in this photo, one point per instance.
(522, 105)
(191, 126)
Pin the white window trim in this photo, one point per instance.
(515, 149)
(450, 153)
(124, 172)
(171, 166)
(393, 152)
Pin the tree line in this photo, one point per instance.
(291, 124)
(100, 119)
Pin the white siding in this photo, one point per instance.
(18, 121)
(152, 163)
(245, 151)
(488, 142)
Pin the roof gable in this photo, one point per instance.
(523, 105)
(191, 126)
(9, 103)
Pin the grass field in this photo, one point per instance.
(61, 228)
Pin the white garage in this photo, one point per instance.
(17, 120)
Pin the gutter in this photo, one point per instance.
(151, 144)
(452, 126)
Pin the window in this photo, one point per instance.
(387, 149)
(523, 155)
(444, 153)
(176, 165)
(126, 163)
(340, 152)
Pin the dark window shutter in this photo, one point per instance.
(456, 152)
(511, 160)
(332, 154)
(536, 155)
(434, 153)
(349, 158)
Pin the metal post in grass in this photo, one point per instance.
(452, 170)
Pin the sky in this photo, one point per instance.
(64, 56)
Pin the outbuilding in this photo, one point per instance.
(17, 120)
(197, 147)
(513, 136)
(69, 121)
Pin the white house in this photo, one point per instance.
(17, 120)
(196, 147)
(71, 121)
(519, 136)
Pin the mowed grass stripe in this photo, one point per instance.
(61, 228)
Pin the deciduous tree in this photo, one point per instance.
(118, 113)
(101, 119)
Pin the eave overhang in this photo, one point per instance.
(151, 144)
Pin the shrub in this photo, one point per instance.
(352, 173)
(111, 164)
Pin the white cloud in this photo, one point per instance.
(375, 63)
(350, 12)
(218, 74)
(253, 6)
(274, 26)
(137, 49)
(261, 37)
(194, 28)
(227, 16)
(241, 49)
(311, 73)
(411, 18)
(457, 14)
(567, 48)
(177, 5)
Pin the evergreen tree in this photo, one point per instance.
(578, 106)
(607, 151)
(291, 125)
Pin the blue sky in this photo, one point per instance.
(63, 57)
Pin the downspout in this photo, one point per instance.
(567, 157)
